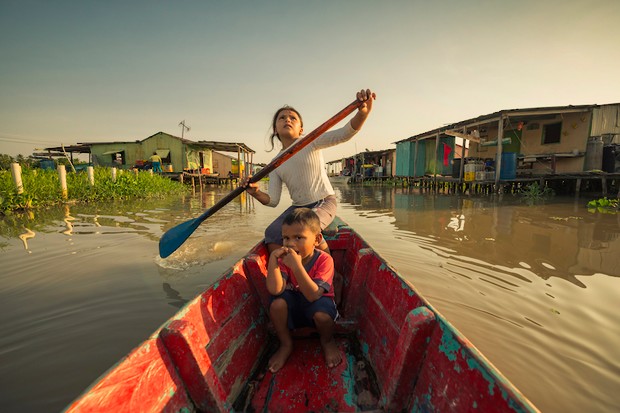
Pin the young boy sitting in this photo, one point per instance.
(300, 279)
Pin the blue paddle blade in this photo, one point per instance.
(176, 236)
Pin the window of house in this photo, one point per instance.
(552, 133)
(164, 154)
(118, 158)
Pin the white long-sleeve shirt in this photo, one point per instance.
(304, 173)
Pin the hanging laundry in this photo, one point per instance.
(446, 154)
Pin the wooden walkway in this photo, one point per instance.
(602, 183)
(210, 179)
(201, 179)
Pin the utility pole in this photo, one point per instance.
(184, 128)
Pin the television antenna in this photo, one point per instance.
(184, 127)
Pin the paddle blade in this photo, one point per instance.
(176, 236)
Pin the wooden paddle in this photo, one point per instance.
(175, 237)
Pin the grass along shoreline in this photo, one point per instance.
(42, 188)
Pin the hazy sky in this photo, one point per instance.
(80, 71)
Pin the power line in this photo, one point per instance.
(26, 142)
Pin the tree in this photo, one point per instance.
(5, 162)
(27, 162)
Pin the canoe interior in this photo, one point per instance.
(399, 354)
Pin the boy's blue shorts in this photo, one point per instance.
(301, 311)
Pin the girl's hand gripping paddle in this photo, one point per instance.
(176, 236)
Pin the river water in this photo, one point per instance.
(535, 288)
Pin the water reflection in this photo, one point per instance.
(533, 286)
(25, 237)
(558, 240)
(457, 223)
(503, 272)
(68, 221)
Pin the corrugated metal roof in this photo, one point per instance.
(497, 115)
(224, 146)
(84, 147)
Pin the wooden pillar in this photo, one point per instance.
(415, 159)
(16, 171)
(436, 150)
(239, 163)
(251, 157)
(113, 171)
(498, 160)
(91, 175)
(577, 186)
(462, 167)
(62, 175)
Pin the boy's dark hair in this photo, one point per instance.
(306, 217)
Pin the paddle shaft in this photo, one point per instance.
(283, 157)
(175, 237)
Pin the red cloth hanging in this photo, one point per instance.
(446, 154)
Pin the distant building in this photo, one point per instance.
(177, 154)
(545, 140)
(368, 163)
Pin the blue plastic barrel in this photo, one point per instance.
(47, 164)
(508, 169)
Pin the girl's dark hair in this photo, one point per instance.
(306, 217)
(275, 119)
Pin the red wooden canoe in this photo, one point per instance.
(399, 354)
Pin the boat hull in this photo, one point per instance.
(399, 354)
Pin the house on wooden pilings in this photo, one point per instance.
(378, 164)
(177, 154)
(534, 141)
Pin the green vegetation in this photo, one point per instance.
(534, 192)
(42, 188)
(604, 205)
(30, 162)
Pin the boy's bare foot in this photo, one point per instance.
(279, 358)
(332, 354)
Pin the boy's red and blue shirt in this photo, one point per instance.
(320, 269)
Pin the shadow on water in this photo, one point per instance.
(174, 296)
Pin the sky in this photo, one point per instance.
(96, 71)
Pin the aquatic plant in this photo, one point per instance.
(535, 192)
(604, 205)
(42, 188)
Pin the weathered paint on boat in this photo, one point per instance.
(399, 353)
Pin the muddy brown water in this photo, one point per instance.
(535, 288)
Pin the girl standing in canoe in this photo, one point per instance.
(304, 174)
